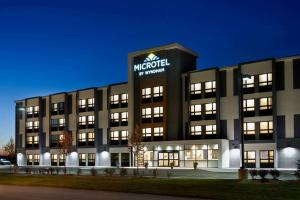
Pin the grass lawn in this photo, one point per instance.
(212, 189)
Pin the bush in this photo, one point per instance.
(135, 172)
(172, 165)
(169, 174)
(57, 170)
(123, 172)
(154, 173)
(253, 173)
(51, 170)
(79, 171)
(263, 173)
(109, 171)
(93, 171)
(146, 164)
(28, 170)
(275, 174)
(195, 164)
(297, 172)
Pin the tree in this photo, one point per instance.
(9, 149)
(65, 144)
(135, 140)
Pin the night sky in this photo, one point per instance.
(55, 46)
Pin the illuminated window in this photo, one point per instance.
(91, 137)
(158, 91)
(91, 119)
(210, 108)
(82, 159)
(36, 124)
(265, 79)
(267, 156)
(29, 125)
(124, 116)
(265, 103)
(114, 99)
(91, 159)
(29, 110)
(146, 132)
(114, 135)
(91, 102)
(248, 82)
(158, 111)
(196, 130)
(266, 127)
(124, 135)
(210, 129)
(114, 117)
(249, 156)
(210, 86)
(36, 159)
(195, 88)
(36, 110)
(29, 140)
(61, 122)
(82, 103)
(158, 131)
(82, 137)
(248, 105)
(146, 113)
(249, 128)
(82, 120)
(124, 98)
(146, 93)
(196, 109)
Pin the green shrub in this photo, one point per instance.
(253, 173)
(123, 172)
(93, 171)
(275, 174)
(263, 173)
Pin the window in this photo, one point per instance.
(158, 91)
(57, 124)
(158, 111)
(249, 158)
(195, 88)
(248, 105)
(210, 129)
(91, 137)
(29, 125)
(114, 100)
(82, 120)
(91, 159)
(196, 130)
(124, 135)
(249, 128)
(158, 131)
(146, 115)
(195, 110)
(265, 79)
(114, 119)
(82, 137)
(57, 108)
(54, 159)
(267, 159)
(82, 103)
(124, 118)
(82, 159)
(124, 99)
(91, 102)
(210, 108)
(29, 111)
(248, 82)
(91, 119)
(210, 87)
(265, 103)
(146, 93)
(266, 130)
(36, 110)
(36, 125)
(32, 111)
(114, 137)
(146, 132)
(62, 160)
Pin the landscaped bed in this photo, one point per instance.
(211, 189)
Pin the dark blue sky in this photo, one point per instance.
(55, 46)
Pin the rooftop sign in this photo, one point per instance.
(151, 65)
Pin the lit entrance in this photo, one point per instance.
(165, 158)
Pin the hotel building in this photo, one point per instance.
(186, 115)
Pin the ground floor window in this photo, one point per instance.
(114, 159)
(33, 159)
(57, 160)
(91, 159)
(250, 159)
(82, 159)
(267, 159)
(125, 160)
(165, 159)
(204, 155)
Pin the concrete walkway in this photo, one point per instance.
(44, 193)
